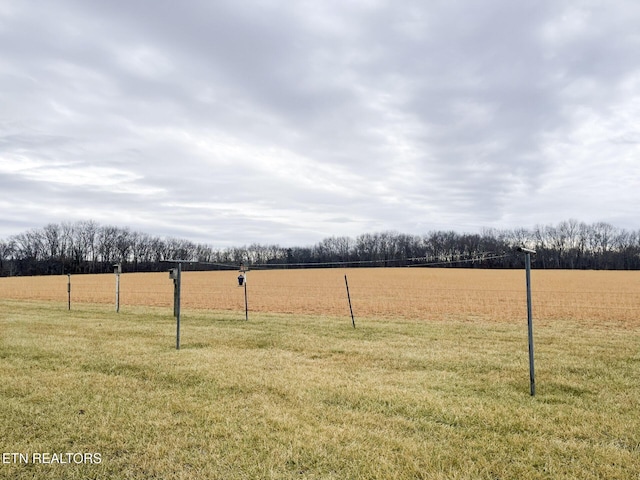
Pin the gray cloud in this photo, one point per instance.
(235, 123)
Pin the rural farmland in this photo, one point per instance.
(408, 293)
(431, 384)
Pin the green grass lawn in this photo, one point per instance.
(289, 396)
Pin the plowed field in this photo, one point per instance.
(603, 296)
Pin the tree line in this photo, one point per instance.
(87, 247)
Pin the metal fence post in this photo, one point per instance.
(527, 263)
(353, 321)
(177, 305)
(176, 275)
(117, 270)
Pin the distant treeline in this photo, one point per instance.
(87, 247)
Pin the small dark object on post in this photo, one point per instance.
(242, 281)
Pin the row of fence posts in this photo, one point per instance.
(117, 270)
(176, 275)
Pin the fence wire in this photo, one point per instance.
(603, 296)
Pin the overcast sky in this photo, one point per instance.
(233, 122)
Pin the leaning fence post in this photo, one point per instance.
(353, 322)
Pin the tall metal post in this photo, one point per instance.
(69, 289)
(246, 301)
(177, 304)
(527, 263)
(176, 275)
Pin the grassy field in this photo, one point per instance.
(307, 396)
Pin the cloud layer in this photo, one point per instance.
(286, 122)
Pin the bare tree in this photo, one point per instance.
(123, 244)
(107, 238)
(7, 249)
(87, 247)
(52, 240)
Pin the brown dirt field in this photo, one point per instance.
(412, 293)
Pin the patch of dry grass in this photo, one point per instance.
(293, 396)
